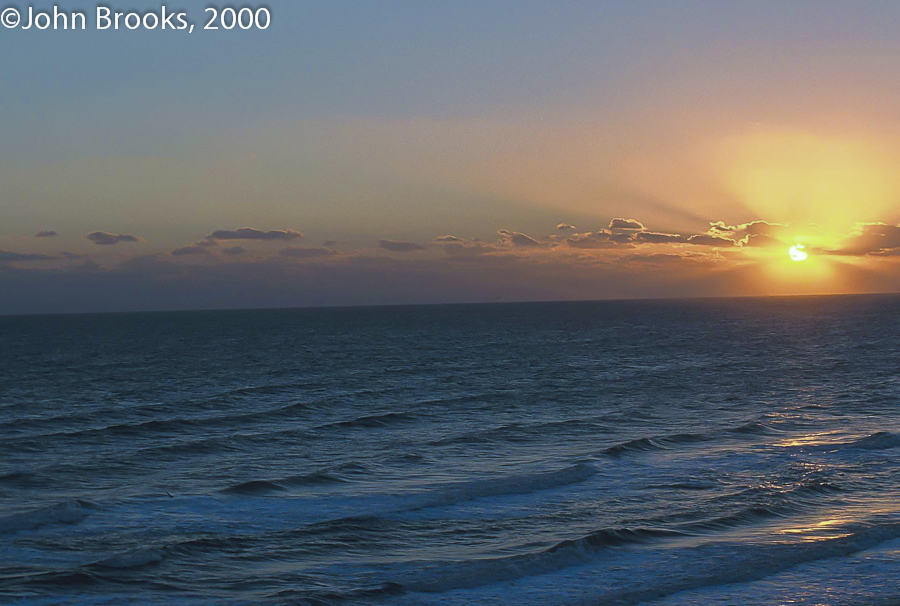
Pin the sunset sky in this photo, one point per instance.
(426, 152)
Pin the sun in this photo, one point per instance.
(798, 253)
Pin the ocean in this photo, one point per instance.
(729, 451)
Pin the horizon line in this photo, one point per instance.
(456, 304)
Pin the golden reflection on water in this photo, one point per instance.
(821, 438)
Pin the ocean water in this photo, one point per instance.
(737, 451)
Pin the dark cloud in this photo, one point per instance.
(251, 233)
(234, 251)
(447, 239)
(468, 249)
(652, 237)
(761, 240)
(880, 239)
(10, 257)
(518, 239)
(468, 271)
(602, 238)
(709, 240)
(194, 249)
(46, 234)
(307, 252)
(619, 223)
(102, 238)
(659, 259)
(745, 230)
(399, 246)
(594, 240)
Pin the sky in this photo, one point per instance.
(432, 152)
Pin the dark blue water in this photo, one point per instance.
(693, 452)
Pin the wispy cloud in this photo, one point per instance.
(10, 257)
(448, 239)
(518, 239)
(251, 233)
(871, 239)
(102, 238)
(618, 261)
(625, 224)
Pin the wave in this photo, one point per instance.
(134, 559)
(745, 517)
(505, 486)
(754, 428)
(882, 440)
(656, 443)
(715, 565)
(169, 425)
(519, 432)
(565, 554)
(667, 442)
(19, 476)
(455, 494)
(328, 598)
(705, 565)
(614, 537)
(370, 421)
(698, 485)
(262, 487)
(68, 512)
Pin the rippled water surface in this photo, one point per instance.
(693, 452)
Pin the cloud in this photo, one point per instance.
(73, 256)
(307, 252)
(708, 240)
(880, 239)
(329, 243)
(11, 257)
(760, 240)
(194, 249)
(468, 249)
(251, 233)
(518, 239)
(399, 246)
(565, 227)
(658, 258)
(639, 263)
(602, 238)
(46, 234)
(447, 239)
(102, 238)
(626, 224)
(598, 239)
(652, 237)
(737, 232)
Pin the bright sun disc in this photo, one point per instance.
(798, 253)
